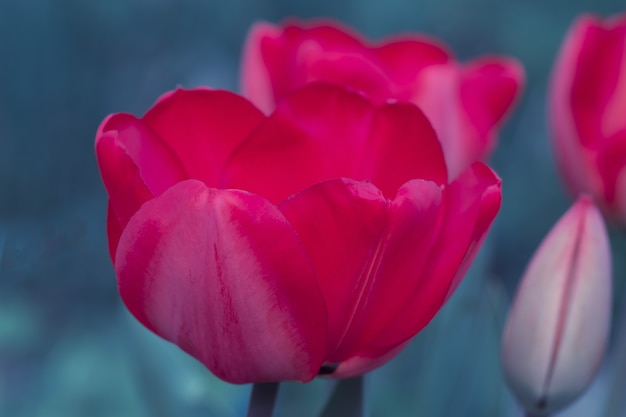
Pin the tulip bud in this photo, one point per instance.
(555, 336)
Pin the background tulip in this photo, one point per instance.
(587, 111)
(558, 326)
(321, 237)
(465, 102)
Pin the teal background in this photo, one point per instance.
(69, 348)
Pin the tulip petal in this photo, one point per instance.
(469, 206)
(222, 274)
(354, 72)
(121, 177)
(282, 58)
(369, 253)
(587, 101)
(436, 92)
(413, 226)
(473, 198)
(575, 166)
(404, 58)
(203, 127)
(341, 223)
(124, 185)
(158, 166)
(322, 132)
(488, 89)
(256, 80)
(484, 187)
(135, 166)
(326, 52)
(612, 168)
(598, 88)
(366, 361)
(330, 34)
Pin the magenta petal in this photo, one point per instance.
(574, 164)
(488, 90)
(611, 163)
(369, 253)
(598, 78)
(135, 166)
(122, 179)
(366, 361)
(158, 166)
(587, 101)
(325, 52)
(202, 127)
(354, 72)
(330, 34)
(256, 81)
(487, 187)
(469, 206)
(341, 223)
(322, 131)
(414, 225)
(471, 203)
(222, 274)
(404, 147)
(403, 59)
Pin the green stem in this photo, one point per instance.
(347, 400)
(263, 399)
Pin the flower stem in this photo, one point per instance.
(617, 370)
(262, 399)
(347, 400)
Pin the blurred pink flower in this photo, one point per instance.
(588, 112)
(465, 102)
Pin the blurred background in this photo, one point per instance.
(69, 348)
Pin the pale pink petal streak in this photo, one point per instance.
(222, 274)
(256, 81)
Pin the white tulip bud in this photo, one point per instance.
(558, 326)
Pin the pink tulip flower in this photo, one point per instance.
(465, 102)
(316, 240)
(588, 112)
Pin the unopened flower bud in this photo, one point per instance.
(556, 333)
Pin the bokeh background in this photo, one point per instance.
(68, 347)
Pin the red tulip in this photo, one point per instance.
(275, 248)
(588, 112)
(465, 102)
